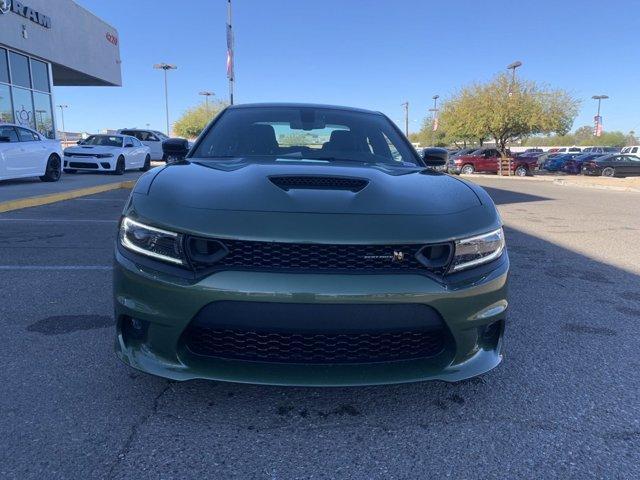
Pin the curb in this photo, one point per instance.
(39, 200)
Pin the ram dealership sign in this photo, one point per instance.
(25, 11)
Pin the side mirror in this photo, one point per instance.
(79, 142)
(128, 145)
(5, 139)
(435, 157)
(175, 149)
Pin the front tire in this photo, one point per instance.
(521, 171)
(53, 171)
(467, 169)
(147, 164)
(120, 166)
(608, 172)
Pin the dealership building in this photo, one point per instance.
(45, 43)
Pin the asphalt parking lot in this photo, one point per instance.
(565, 403)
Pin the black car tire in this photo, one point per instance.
(467, 169)
(147, 164)
(608, 172)
(522, 171)
(53, 171)
(120, 166)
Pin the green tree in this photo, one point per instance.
(195, 119)
(610, 139)
(631, 138)
(583, 135)
(426, 135)
(508, 112)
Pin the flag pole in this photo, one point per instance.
(230, 53)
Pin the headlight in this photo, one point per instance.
(474, 251)
(151, 242)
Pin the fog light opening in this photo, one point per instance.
(133, 329)
(490, 334)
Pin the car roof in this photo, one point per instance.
(300, 105)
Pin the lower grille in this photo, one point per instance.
(316, 333)
(330, 348)
(82, 165)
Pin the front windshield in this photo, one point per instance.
(103, 141)
(160, 135)
(305, 133)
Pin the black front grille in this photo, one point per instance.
(82, 165)
(319, 183)
(281, 347)
(81, 155)
(301, 257)
(316, 333)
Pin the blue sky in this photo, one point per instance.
(365, 53)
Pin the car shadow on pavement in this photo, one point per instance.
(503, 197)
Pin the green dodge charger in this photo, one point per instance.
(301, 244)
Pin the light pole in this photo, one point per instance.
(166, 67)
(512, 67)
(231, 76)
(598, 129)
(406, 118)
(206, 96)
(434, 125)
(64, 130)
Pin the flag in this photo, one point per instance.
(597, 131)
(230, 74)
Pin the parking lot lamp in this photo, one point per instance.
(64, 130)
(166, 67)
(512, 67)
(434, 125)
(206, 96)
(599, 98)
(406, 118)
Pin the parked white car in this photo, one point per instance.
(107, 153)
(632, 150)
(150, 138)
(26, 153)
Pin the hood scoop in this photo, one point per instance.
(318, 182)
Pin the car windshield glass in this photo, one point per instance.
(292, 133)
(160, 135)
(103, 141)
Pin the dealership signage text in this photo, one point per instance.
(26, 12)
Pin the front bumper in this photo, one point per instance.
(89, 164)
(163, 306)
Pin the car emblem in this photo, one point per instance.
(5, 5)
(397, 257)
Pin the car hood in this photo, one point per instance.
(91, 149)
(239, 199)
(241, 186)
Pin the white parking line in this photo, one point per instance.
(55, 267)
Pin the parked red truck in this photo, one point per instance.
(486, 160)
